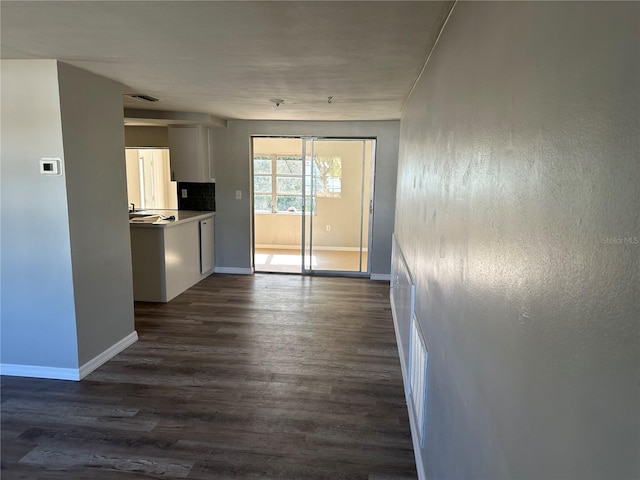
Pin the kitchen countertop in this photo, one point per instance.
(181, 216)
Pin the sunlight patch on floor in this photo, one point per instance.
(289, 261)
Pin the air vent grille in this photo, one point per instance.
(418, 377)
(403, 294)
(141, 97)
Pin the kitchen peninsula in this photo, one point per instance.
(171, 251)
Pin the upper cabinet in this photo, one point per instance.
(190, 149)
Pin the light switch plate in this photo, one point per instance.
(184, 193)
(238, 194)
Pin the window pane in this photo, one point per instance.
(289, 203)
(262, 203)
(262, 183)
(289, 184)
(289, 165)
(261, 164)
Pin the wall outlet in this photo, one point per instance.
(328, 228)
(238, 194)
(184, 193)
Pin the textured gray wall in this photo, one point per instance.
(67, 291)
(93, 136)
(518, 214)
(37, 304)
(231, 165)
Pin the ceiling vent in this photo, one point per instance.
(141, 98)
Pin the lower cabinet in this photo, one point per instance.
(167, 260)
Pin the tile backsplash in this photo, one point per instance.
(200, 196)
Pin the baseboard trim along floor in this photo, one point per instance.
(37, 371)
(234, 270)
(382, 277)
(107, 355)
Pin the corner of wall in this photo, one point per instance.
(93, 136)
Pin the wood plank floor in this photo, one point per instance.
(241, 377)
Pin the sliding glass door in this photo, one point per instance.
(338, 189)
(312, 203)
(277, 204)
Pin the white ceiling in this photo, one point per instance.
(228, 59)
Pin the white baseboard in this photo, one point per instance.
(339, 249)
(37, 371)
(321, 248)
(415, 436)
(234, 270)
(280, 247)
(417, 450)
(383, 277)
(108, 354)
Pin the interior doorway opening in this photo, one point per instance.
(149, 184)
(313, 203)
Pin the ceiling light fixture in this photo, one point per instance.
(277, 101)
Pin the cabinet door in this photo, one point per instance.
(206, 245)
(189, 149)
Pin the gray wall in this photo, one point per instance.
(37, 303)
(93, 135)
(67, 290)
(231, 163)
(518, 214)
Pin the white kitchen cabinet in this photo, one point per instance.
(167, 256)
(189, 148)
(206, 245)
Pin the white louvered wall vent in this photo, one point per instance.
(402, 296)
(418, 377)
(411, 348)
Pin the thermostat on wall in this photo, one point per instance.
(50, 166)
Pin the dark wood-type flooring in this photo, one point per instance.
(241, 377)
